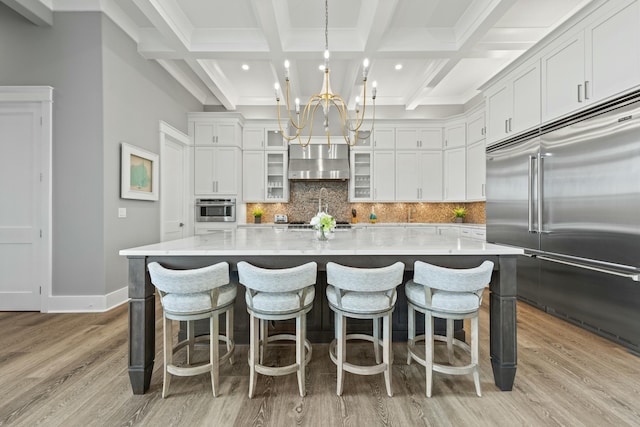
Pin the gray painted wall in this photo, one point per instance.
(137, 94)
(104, 93)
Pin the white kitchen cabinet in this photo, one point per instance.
(384, 138)
(216, 170)
(448, 230)
(475, 128)
(476, 171)
(217, 132)
(265, 176)
(372, 176)
(455, 174)
(418, 176)
(597, 59)
(455, 135)
(277, 180)
(513, 105)
(253, 164)
(361, 182)
(263, 138)
(422, 138)
(384, 176)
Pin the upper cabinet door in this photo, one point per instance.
(253, 138)
(498, 108)
(563, 77)
(475, 128)
(455, 135)
(612, 44)
(525, 95)
(384, 138)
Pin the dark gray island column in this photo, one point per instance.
(142, 331)
(502, 323)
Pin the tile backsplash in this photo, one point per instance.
(303, 205)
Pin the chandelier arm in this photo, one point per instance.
(338, 102)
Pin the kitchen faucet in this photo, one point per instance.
(326, 206)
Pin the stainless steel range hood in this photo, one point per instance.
(319, 162)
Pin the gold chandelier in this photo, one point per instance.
(325, 99)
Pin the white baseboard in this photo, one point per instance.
(87, 303)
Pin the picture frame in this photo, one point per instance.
(139, 173)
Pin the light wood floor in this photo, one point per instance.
(71, 370)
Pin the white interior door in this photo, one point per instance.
(20, 209)
(173, 188)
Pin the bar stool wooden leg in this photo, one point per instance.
(341, 337)
(253, 353)
(428, 350)
(376, 338)
(191, 341)
(301, 326)
(229, 333)
(474, 354)
(450, 340)
(214, 352)
(411, 333)
(386, 351)
(168, 354)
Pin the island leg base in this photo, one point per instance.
(140, 379)
(503, 375)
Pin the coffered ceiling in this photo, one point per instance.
(446, 48)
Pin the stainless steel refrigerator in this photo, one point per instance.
(569, 193)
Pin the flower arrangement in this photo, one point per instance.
(324, 223)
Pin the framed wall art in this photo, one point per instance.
(139, 170)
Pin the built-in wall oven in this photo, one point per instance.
(215, 210)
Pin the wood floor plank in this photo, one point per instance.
(71, 369)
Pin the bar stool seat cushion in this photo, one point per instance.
(198, 301)
(361, 302)
(281, 302)
(451, 302)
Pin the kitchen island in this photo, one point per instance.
(278, 248)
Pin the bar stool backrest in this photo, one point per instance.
(189, 281)
(451, 279)
(365, 279)
(277, 280)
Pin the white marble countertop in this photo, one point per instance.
(356, 241)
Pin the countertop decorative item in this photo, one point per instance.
(373, 218)
(459, 213)
(354, 216)
(257, 215)
(324, 224)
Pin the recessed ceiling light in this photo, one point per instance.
(398, 66)
(245, 67)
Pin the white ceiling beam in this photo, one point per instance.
(216, 81)
(417, 94)
(33, 10)
(193, 87)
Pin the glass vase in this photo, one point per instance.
(322, 235)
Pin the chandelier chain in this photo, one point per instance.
(326, 25)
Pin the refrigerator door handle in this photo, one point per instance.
(540, 195)
(532, 160)
(633, 276)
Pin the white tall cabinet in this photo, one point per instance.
(217, 154)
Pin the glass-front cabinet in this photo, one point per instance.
(276, 179)
(360, 184)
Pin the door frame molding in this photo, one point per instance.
(169, 132)
(44, 96)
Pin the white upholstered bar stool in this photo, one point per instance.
(189, 295)
(450, 294)
(363, 293)
(278, 294)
